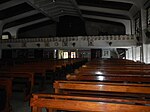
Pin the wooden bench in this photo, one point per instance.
(109, 92)
(6, 88)
(114, 62)
(100, 87)
(85, 104)
(117, 69)
(17, 78)
(124, 92)
(110, 78)
(94, 97)
(120, 66)
(38, 73)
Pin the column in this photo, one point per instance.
(133, 53)
(130, 56)
(1, 32)
(1, 28)
(143, 26)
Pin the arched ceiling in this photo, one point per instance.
(21, 13)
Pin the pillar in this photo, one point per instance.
(1, 32)
(143, 26)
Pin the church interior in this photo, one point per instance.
(75, 55)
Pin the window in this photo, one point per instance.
(5, 37)
(73, 54)
(65, 55)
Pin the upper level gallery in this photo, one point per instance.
(110, 41)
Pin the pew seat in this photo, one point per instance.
(23, 81)
(5, 94)
(85, 104)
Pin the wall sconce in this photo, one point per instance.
(24, 44)
(38, 44)
(110, 43)
(73, 44)
(8, 45)
(46, 44)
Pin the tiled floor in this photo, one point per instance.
(18, 105)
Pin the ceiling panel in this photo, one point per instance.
(106, 4)
(103, 21)
(24, 20)
(3, 1)
(37, 25)
(15, 10)
(105, 14)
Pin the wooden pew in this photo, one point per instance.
(102, 87)
(117, 69)
(26, 77)
(114, 62)
(84, 104)
(105, 92)
(110, 71)
(120, 66)
(38, 73)
(6, 85)
(120, 73)
(41, 68)
(110, 78)
(93, 96)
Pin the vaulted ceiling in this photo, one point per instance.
(31, 13)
